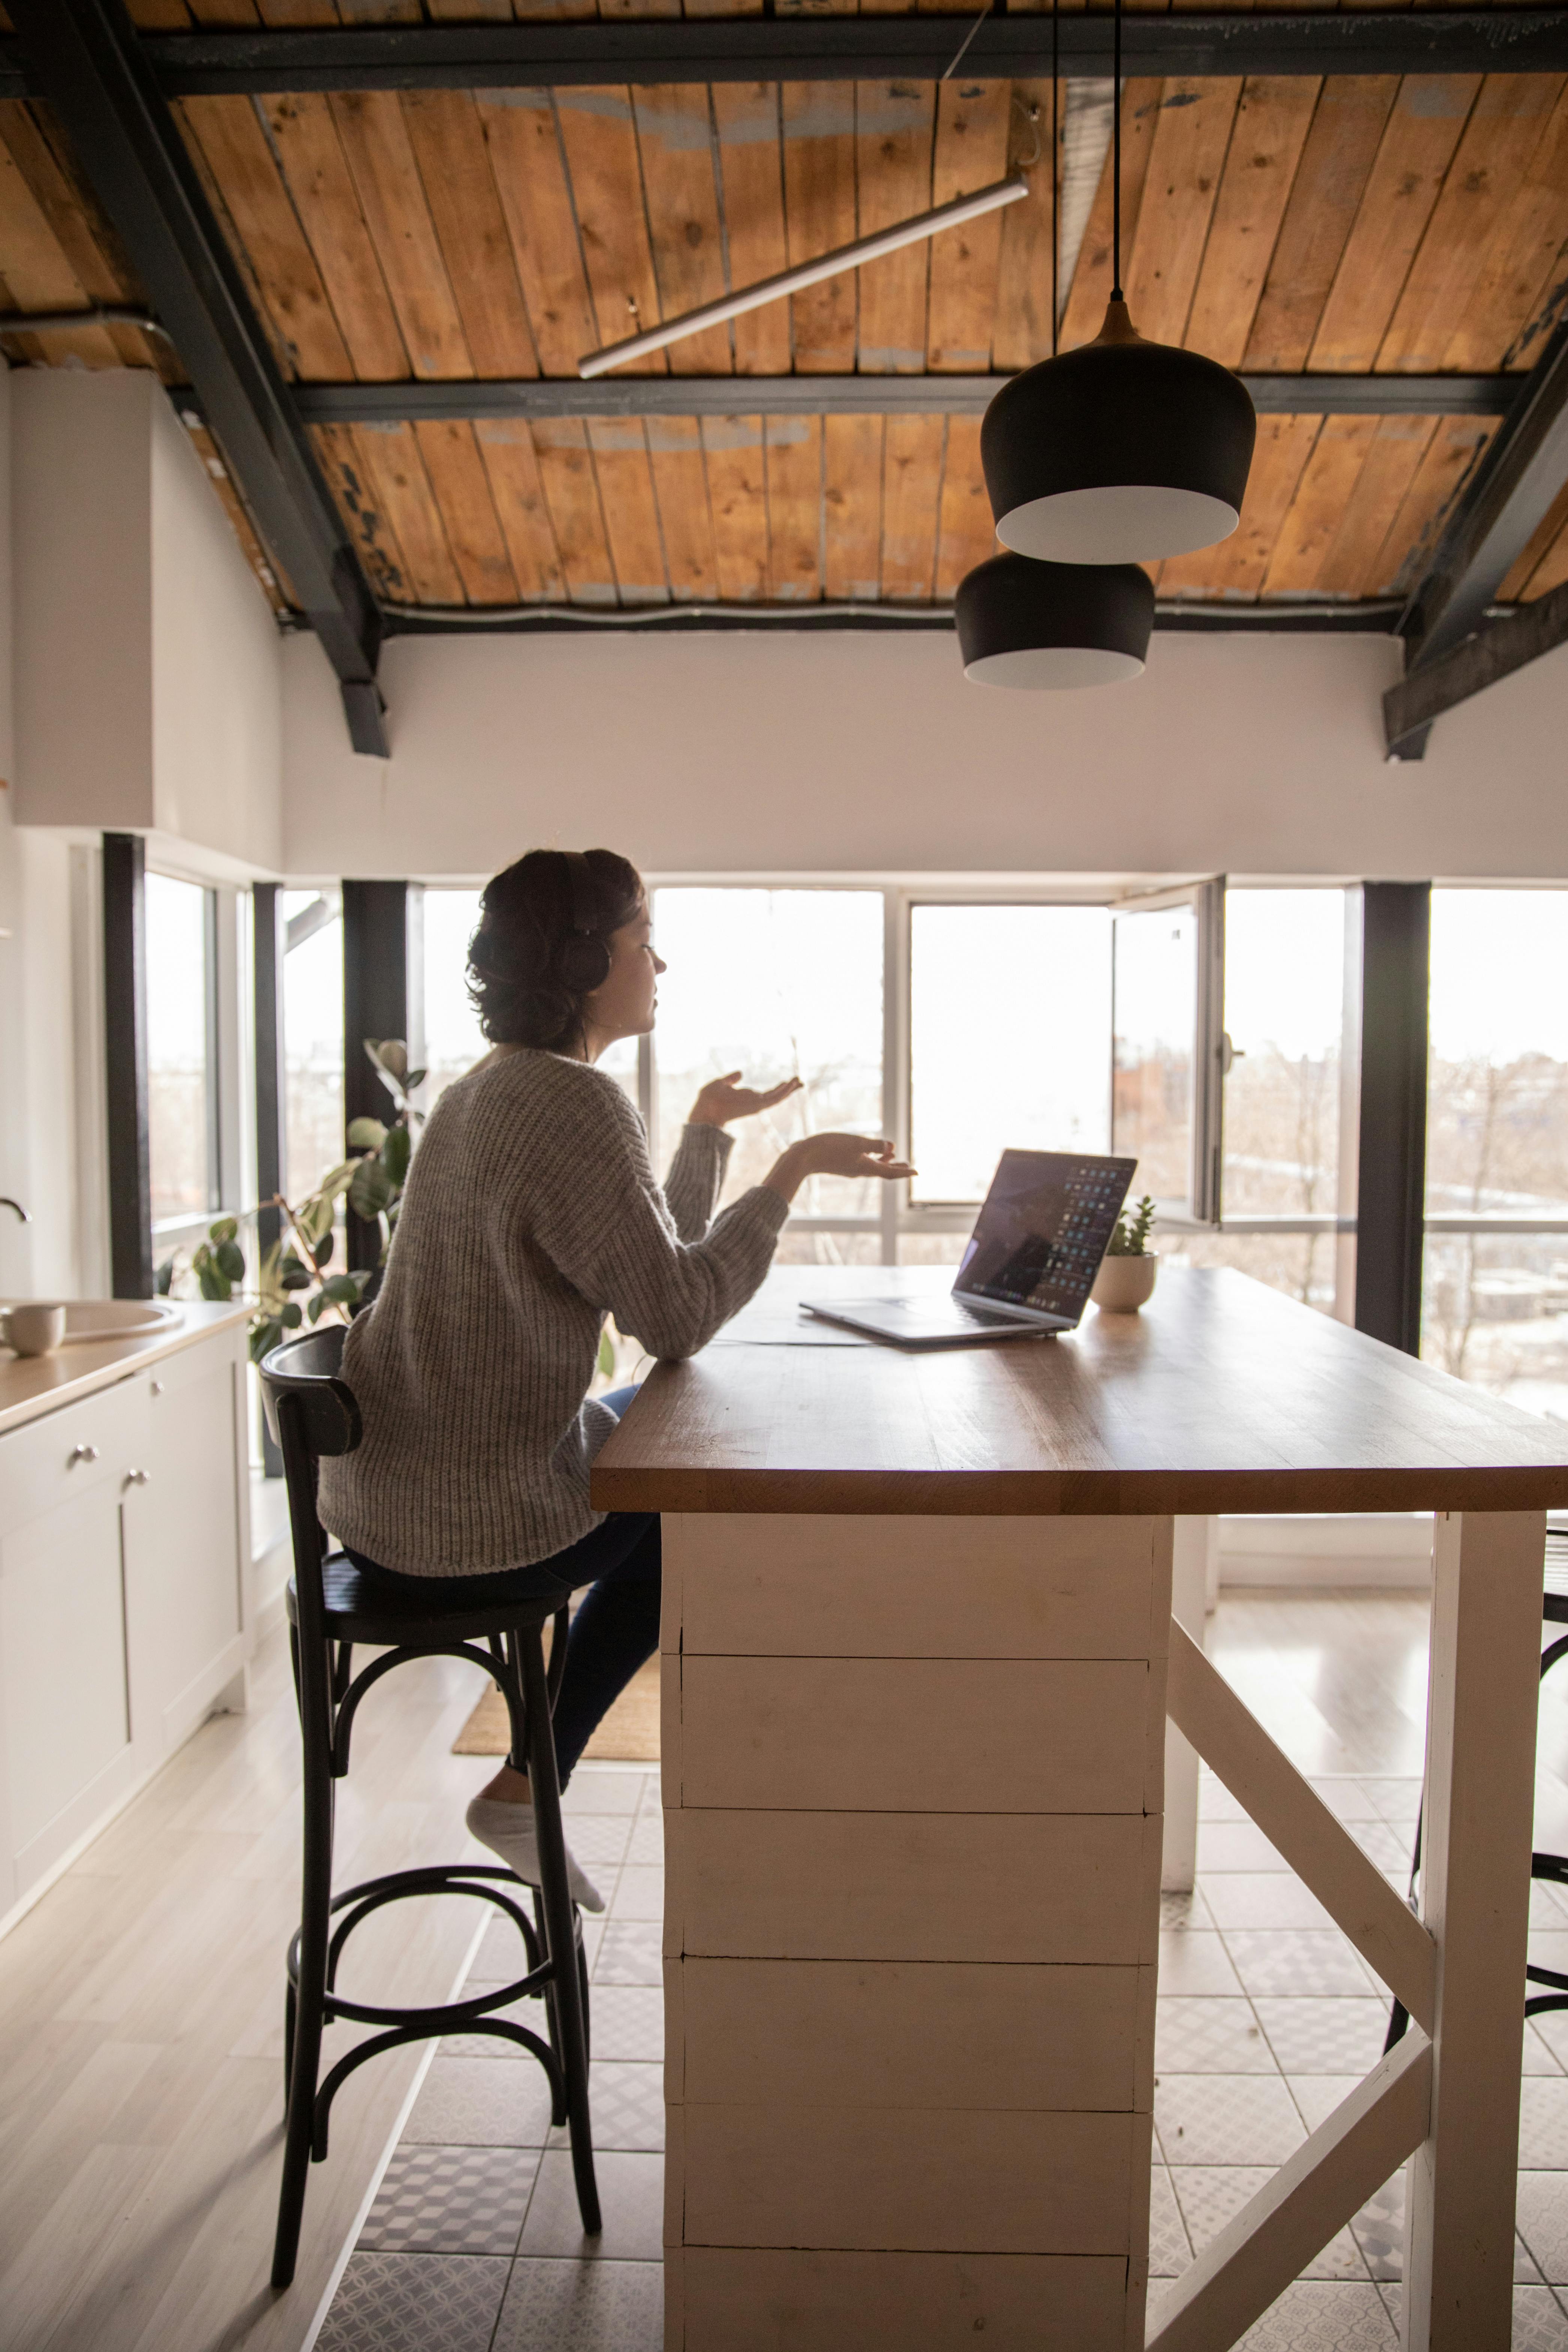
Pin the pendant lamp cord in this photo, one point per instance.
(1116, 158)
(958, 54)
(1055, 205)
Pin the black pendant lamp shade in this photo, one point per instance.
(1023, 622)
(1119, 452)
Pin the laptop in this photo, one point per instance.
(1029, 1265)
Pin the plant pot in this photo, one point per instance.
(1123, 1284)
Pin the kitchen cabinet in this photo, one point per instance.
(123, 1533)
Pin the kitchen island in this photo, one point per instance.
(917, 1658)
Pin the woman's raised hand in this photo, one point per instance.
(834, 1155)
(722, 1099)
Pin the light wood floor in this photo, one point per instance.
(141, 2029)
(141, 2001)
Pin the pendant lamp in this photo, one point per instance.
(1026, 624)
(1123, 451)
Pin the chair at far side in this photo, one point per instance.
(1549, 1867)
(311, 1413)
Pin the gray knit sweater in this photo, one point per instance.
(530, 1211)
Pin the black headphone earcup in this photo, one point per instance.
(584, 963)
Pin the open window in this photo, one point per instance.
(1168, 1049)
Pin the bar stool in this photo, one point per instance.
(311, 1413)
(1549, 1867)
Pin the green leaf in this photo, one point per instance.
(163, 1278)
(265, 1334)
(388, 1053)
(224, 1231)
(212, 1283)
(366, 1134)
(325, 1246)
(606, 1354)
(371, 1190)
(293, 1274)
(395, 1153)
(313, 1307)
(230, 1256)
(343, 1290)
(291, 1317)
(415, 1078)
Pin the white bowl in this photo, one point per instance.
(1123, 1284)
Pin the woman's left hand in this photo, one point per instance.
(724, 1098)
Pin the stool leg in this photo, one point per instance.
(559, 1923)
(315, 1932)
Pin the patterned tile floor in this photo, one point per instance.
(1266, 2018)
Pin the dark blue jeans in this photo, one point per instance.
(615, 1629)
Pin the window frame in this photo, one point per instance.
(897, 1217)
(230, 1111)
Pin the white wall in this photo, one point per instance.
(757, 751)
(148, 667)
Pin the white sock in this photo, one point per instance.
(510, 1833)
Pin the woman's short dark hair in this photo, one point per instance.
(542, 942)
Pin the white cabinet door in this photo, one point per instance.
(183, 1544)
(63, 1686)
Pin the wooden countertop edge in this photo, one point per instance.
(1018, 1494)
(123, 1356)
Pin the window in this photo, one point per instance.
(313, 1038)
(1284, 1017)
(182, 1051)
(1495, 1309)
(778, 983)
(1155, 997)
(1009, 1015)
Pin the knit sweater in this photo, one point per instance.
(530, 1211)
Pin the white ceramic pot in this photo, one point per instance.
(1123, 1284)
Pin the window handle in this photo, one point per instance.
(80, 1453)
(137, 1477)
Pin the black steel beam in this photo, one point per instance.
(1220, 617)
(92, 66)
(267, 971)
(857, 396)
(835, 48)
(1495, 652)
(375, 1004)
(125, 1065)
(1514, 485)
(1392, 1166)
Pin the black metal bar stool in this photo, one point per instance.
(331, 1607)
(1551, 1867)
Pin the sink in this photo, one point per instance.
(113, 1319)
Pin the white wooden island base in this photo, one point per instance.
(912, 1789)
(917, 1658)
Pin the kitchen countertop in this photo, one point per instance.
(33, 1385)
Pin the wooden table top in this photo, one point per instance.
(1221, 1396)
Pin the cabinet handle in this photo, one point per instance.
(80, 1453)
(137, 1477)
(157, 1387)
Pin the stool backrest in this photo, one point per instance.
(311, 1412)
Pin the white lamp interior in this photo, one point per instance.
(1126, 522)
(1055, 668)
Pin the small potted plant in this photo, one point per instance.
(1126, 1278)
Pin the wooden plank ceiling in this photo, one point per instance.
(1355, 224)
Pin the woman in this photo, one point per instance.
(530, 1212)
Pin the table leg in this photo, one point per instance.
(912, 1786)
(1475, 1898)
(1192, 1561)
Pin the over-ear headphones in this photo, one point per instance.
(583, 959)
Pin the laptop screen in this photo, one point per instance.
(1038, 1240)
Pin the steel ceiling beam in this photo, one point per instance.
(835, 48)
(1514, 486)
(1495, 652)
(854, 395)
(88, 62)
